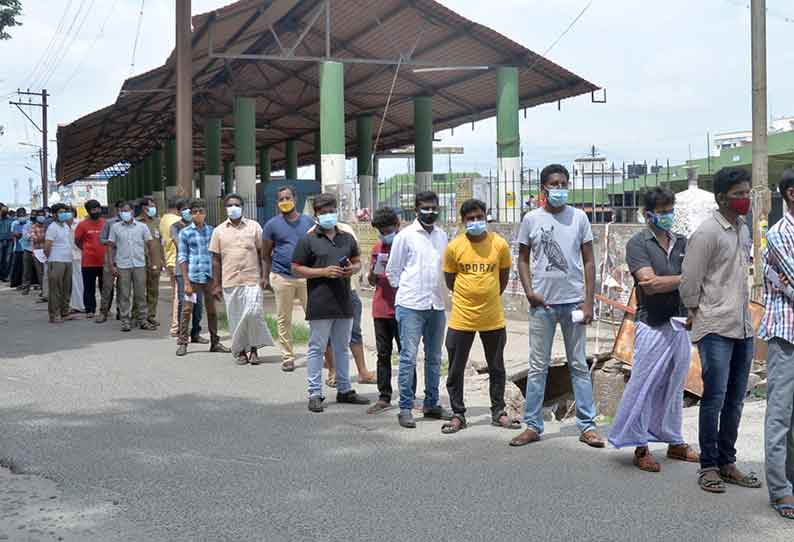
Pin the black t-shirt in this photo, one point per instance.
(643, 250)
(327, 298)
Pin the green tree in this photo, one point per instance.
(10, 10)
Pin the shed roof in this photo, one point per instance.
(412, 32)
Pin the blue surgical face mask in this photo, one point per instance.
(388, 238)
(328, 220)
(126, 216)
(22, 219)
(40, 219)
(476, 227)
(557, 197)
(186, 216)
(663, 221)
(151, 211)
(234, 212)
(63, 216)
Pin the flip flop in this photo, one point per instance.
(511, 424)
(711, 486)
(782, 508)
(450, 428)
(750, 480)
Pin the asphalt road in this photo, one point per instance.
(142, 445)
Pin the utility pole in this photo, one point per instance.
(761, 196)
(43, 129)
(184, 100)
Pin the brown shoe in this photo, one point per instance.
(592, 439)
(683, 452)
(527, 436)
(218, 348)
(644, 460)
(288, 366)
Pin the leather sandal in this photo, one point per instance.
(591, 438)
(683, 452)
(644, 460)
(527, 436)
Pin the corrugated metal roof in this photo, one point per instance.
(287, 92)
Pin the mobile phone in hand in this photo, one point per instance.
(344, 262)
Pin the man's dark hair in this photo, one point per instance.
(786, 182)
(233, 196)
(54, 209)
(21, 210)
(472, 205)
(425, 197)
(198, 203)
(172, 203)
(146, 200)
(122, 204)
(383, 217)
(92, 204)
(286, 187)
(656, 196)
(182, 203)
(324, 200)
(728, 177)
(550, 170)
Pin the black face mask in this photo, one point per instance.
(427, 217)
(94, 214)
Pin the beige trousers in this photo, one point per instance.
(287, 291)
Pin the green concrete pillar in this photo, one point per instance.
(423, 142)
(264, 164)
(291, 171)
(318, 158)
(364, 160)
(332, 136)
(508, 147)
(157, 179)
(228, 177)
(137, 180)
(147, 175)
(245, 146)
(212, 153)
(170, 168)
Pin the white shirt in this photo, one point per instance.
(415, 268)
(61, 237)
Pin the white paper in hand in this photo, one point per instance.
(191, 298)
(380, 264)
(577, 316)
(678, 323)
(38, 253)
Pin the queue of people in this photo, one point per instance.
(688, 291)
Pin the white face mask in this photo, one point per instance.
(234, 212)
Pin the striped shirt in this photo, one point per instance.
(778, 320)
(194, 250)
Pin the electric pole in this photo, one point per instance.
(761, 196)
(184, 100)
(43, 129)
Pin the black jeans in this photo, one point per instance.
(458, 347)
(386, 332)
(6, 251)
(90, 277)
(15, 276)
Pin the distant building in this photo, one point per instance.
(744, 138)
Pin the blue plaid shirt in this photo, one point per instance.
(778, 320)
(194, 244)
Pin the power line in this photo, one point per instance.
(769, 12)
(90, 48)
(568, 28)
(137, 35)
(47, 49)
(67, 47)
(57, 47)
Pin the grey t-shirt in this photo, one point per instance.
(555, 241)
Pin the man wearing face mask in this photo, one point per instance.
(327, 258)
(108, 280)
(386, 221)
(414, 268)
(237, 270)
(58, 249)
(154, 264)
(185, 220)
(561, 280)
(37, 231)
(6, 243)
(130, 242)
(18, 227)
(87, 238)
(30, 277)
(476, 268)
(280, 236)
(170, 218)
(652, 406)
(714, 289)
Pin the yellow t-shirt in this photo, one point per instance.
(476, 300)
(166, 222)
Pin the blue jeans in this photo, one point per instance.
(542, 325)
(429, 326)
(355, 336)
(726, 366)
(779, 423)
(6, 248)
(337, 331)
(198, 308)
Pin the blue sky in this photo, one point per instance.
(673, 70)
